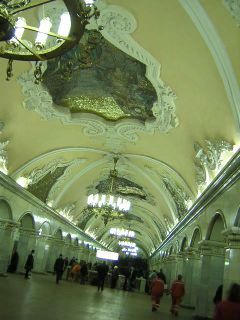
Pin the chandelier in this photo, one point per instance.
(122, 233)
(22, 41)
(109, 206)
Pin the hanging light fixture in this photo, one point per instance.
(17, 44)
(122, 233)
(109, 206)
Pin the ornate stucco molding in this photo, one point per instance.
(3, 152)
(209, 160)
(67, 211)
(118, 26)
(179, 195)
(233, 7)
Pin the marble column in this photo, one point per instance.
(26, 243)
(170, 269)
(7, 235)
(191, 277)
(211, 276)
(55, 249)
(41, 253)
(232, 259)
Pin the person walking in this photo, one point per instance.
(157, 289)
(29, 264)
(102, 270)
(114, 279)
(83, 272)
(162, 276)
(230, 308)
(177, 292)
(58, 268)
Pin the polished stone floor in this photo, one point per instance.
(40, 298)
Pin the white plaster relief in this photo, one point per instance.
(118, 26)
(209, 160)
(233, 7)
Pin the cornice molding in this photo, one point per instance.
(8, 183)
(218, 51)
(223, 181)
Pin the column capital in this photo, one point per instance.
(233, 237)
(212, 248)
(9, 224)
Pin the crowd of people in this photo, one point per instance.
(156, 283)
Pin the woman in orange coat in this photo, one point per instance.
(157, 289)
(177, 292)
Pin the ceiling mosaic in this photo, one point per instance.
(41, 188)
(96, 77)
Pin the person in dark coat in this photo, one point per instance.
(162, 276)
(29, 264)
(102, 270)
(114, 279)
(58, 268)
(83, 273)
(218, 295)
(14, 262)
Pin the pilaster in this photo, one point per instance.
(212, 255)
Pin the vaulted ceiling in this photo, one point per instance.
(162, 93)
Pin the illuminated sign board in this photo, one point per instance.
(107, 255)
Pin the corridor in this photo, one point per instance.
(40, 298)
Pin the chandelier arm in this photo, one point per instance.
(78, 23)
(38, 57)
(49, 33)
(31, 5)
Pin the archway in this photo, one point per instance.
(196, 237)
(237, 220)
(6, 239)
(42, 247)
(5, 210)
(27, 239)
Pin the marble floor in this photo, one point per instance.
(40, 298)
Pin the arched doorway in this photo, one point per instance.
(56, 244)
(6, 237)
(27, 239)
(42, 246)
(212, 265)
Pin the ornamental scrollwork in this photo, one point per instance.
(67, 211)
(180, 197)
(209, 158)
(233, 7)
(118, 26)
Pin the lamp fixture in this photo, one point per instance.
(127, 244)
(109, 206)
(122, 233)
(16, 36)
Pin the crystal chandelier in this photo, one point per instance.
(122, 233)
(127, 244)
(109, 206)
(16, 35)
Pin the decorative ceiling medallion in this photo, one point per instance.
(118, 26)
